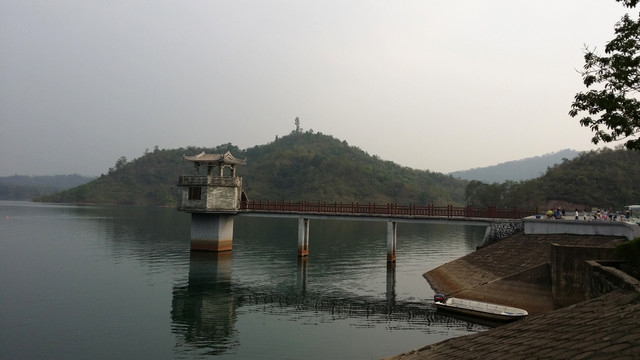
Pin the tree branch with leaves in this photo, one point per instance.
(612, 106)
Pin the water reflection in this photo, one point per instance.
(391, 284)
(204, 310)
(130, 268)
(301, 280)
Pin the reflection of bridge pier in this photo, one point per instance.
(391, 284)
(301, 280)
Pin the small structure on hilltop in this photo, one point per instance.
(212, 199)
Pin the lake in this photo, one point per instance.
(115, 282)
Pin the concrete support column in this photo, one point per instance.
(392, 236)
(303, 237)
(211, 232)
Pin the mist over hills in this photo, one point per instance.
(516, 170)
(21, 187)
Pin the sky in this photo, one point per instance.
(432, 85)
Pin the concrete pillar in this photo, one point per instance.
(303, 237)
(211, 232)
(392, 236)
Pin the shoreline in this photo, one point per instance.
(514, 271)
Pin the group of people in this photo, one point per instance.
(555, 214)
(603, 215)
(599, 215)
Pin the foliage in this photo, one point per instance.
(613, 110)
(604, 178)
(302, 166)
(630, 251)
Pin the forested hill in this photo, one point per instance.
(517, 170)
(297, 167)
(604, 178)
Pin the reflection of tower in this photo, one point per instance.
(391, 284)
(212, 200)
(204, 310)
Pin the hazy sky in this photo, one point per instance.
(433, 85)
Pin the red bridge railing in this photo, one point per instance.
(447, 211)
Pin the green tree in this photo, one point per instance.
(611, 106)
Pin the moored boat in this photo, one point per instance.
(479, 309)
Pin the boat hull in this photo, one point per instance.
(480, 309)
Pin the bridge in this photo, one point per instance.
(391, 213)
(213, 199)
(430, 211)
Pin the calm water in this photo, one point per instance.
(107, 282)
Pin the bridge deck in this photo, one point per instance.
(373, 211)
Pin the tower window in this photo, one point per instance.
(195, 193)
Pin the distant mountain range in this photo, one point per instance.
(517, 170)
(22, 187)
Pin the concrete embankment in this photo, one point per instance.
(514, 271)
(518, 271)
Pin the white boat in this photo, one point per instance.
(479, 309)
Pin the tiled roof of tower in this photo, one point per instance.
(225, 158)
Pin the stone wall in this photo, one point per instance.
(568, 271)
(602, 277)
(219, 194)
(501, 230)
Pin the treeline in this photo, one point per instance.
(316, 167)
(21, 187)
(307, 166)
(602, 178)
(302, 166)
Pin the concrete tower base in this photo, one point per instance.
(211, 232)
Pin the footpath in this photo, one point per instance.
(514, 272)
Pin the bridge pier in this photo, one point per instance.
(211, 232)
(303, 237)
(392, 237)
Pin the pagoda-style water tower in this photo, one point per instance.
(212, 199)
